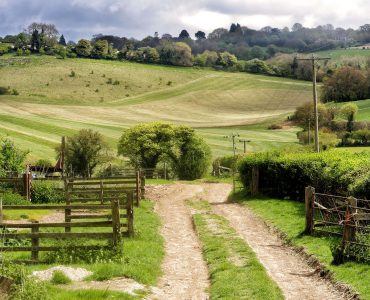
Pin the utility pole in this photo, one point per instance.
(233, 136)
(313, 60)
(245, 144)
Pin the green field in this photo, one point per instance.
(52, 103)
(340, 54)
(363, 113)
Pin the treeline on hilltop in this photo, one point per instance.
(269, 51)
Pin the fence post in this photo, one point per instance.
(116, 222)
(130, 214)
(101, 195)
(67, 212)
(27, 184)
(138, 188)
(255, 181)
(35, 242)
(142, 183)
(349, 230)
(1, 210)
(310, 204)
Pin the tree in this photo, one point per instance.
(297, 27)
(146, 144)
(227, 59)
(349, 111)
(346, 84)
(11, 157)
(193, 155)
(84, 152)
(35, 41)
(100, 49)
(200, 35)
(83, 48)
(21, 41)
(48, 34)
(177, 54)
(184, 34)
(62, 41)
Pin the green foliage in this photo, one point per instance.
(84, 152)
(193, 156)
(46, 192)
(146, 144)
(100, 49)
(11, 157)
(177, 54)
(10, 198)
(25, 286)
(61, 51)
(69, 254)
(83, 48)
(60, 278)
(4, 48)
(349, 111)
(19, 52)
(346, 84)
(259, 67)
(287, 174)
(227, 59)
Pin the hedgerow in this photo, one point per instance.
(287, 174)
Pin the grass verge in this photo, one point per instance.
(234, 268)
(289, 218)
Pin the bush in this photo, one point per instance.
(4, 90)
(287, 174)
(25, 286)
(45, 192)
(10, 198)
(275, 127)
(60, 278)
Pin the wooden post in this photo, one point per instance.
(309, 204)
(67, 212)
(1, 210)
(142, 184)
(116, 222)
(255, 181)
(138, 188)
(130, 214)
(35, 242)
(349, 230)
(27, 184)
(101, 195)
(165, 171)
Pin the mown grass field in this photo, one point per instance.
(339, 54)
(52, 103)
(363, 113)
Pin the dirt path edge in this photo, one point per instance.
(321, 269)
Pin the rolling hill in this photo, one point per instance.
(59, 97)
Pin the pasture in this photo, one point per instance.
(338, 55)
(110, 96)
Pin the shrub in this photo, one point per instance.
(275, 127)
(60, 278)
(45, 192)
(25, 286)
(287, 174)
(15, 92)
(10, 198)
(4, 90)
(73, 74)
(19, 52)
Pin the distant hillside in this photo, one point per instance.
(109, 96)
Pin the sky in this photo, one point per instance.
(139, 18)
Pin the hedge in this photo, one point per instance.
(287, 174)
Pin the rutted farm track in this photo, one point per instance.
(185, 274)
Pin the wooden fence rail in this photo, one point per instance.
(346, 217)
(110, 213)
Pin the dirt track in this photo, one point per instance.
(185, 272)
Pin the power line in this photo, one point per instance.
(313, 60)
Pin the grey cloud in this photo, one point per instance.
(138, 18)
